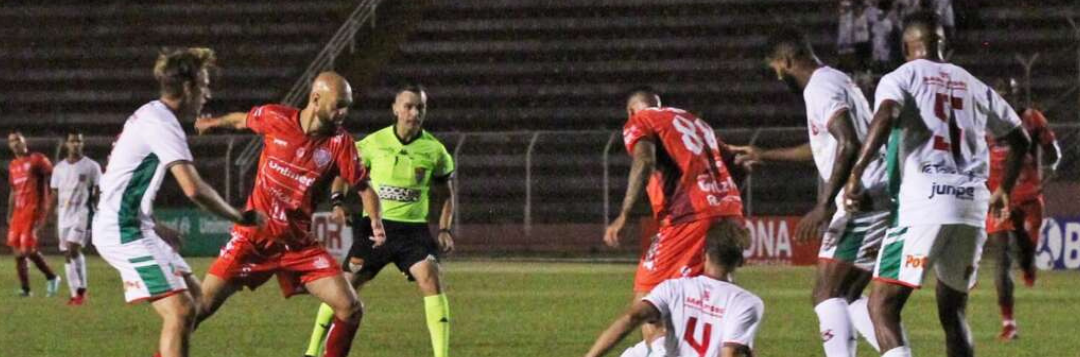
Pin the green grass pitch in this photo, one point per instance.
(498, 309)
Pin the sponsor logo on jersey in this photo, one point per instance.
(290, 174)
(280, 142)
(399, 194)
(322, 157)
(915, 261)
(704, 306)
(960, 192)
(321, 263)
(936, 168)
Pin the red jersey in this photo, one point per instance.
(294, 169)
(29, 184)
(690, 181)
(1029, 184)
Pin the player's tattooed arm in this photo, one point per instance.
(373, 209)
(880, 129)
(1018, 142)
(235, 121)
(640, 170)
(642, 311)
(841, 128)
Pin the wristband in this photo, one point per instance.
(337, 199)
(447, 231)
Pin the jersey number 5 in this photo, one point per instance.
(954, 103)
(695, 134)
(700, 346)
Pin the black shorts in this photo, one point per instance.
(406, 244)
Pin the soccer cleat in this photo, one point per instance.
(52, 286)
(77, 300)
(1009, 332)
(1029, 277)
(24, 293)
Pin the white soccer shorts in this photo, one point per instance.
(149, 267)
(855, 238)
(952, 250)
(73, 234)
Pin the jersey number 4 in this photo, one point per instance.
(706, 335)
(695, 134)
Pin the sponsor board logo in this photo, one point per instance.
(959, 192)
(1059, 247)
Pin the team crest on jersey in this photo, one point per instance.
(321, 263)
(322, 157)
(420, 173)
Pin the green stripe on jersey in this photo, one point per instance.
(154, 278)
(131, 200)
(892, 169)
(891, 258)
(141, 259)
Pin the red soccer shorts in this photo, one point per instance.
(677, 251)
(251, 264)
(1027, 214)
(21, 234)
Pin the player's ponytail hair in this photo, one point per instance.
(725, 242)
(174, 67)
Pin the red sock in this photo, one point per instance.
(40, 263)
(24, 276)
(1006, 312)
(340, 338)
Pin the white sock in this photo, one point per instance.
(657, 348)
(80, 262)
(901, 351)
(639, 350)
(835, 326)
(860, 317)
(72, 277)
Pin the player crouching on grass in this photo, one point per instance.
(707, 315)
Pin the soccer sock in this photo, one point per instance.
(322, 322)
(437, 309)
(1007, 313)
(340, 338)
(835, 326)
(80, 264)
(40, 263)
(23, 271)
(639, 350)
(901, 351)
(72, 277)
(860, 318)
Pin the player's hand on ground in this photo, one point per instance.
(746, 156)
(204, 124)
(611, 236)
(446, 241)
(378, 233)
(340, 215)
(999, 204)
(809, 227)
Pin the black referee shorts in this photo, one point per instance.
(406, 244)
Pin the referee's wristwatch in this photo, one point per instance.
(447, 231)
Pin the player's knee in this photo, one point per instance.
(352, 312)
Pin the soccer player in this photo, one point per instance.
(707, 315)
(151, 144)
(303, 151)
(74, 188)
(837, 117)
(690, 189)
(1024, 224)
(28, 211)
(935, 117)
(404, 147)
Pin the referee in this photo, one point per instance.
(405, 163)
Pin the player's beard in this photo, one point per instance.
(791, 82)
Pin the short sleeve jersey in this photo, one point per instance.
(74, 182)
(828, 92)
(27, 178)
(402, 173)
(691, 181)
(151, 142)
(1029, 184)
(938, 157)
(703, 314)
(295, 169)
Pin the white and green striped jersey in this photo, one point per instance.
(152, 140)
(938, 159)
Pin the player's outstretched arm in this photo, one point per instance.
(640, 170)
(880, 129)
(642, 311)
(749, 156)
(208, 199)
(235, 121)
(373, 208)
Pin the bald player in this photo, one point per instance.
(303, 150)
(935, 117)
